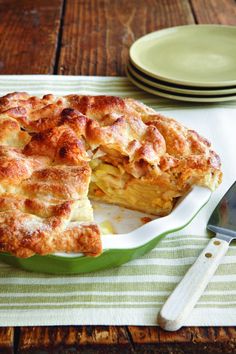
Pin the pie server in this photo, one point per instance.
(185, 296)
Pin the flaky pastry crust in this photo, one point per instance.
(56, 150)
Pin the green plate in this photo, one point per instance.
(121, 248)
(177, 96)
(196, 55)
(146, 79)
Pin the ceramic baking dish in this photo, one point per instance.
(131, 241)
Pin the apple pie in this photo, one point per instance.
(58, 153)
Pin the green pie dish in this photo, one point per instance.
(195, 55)
(120, 248)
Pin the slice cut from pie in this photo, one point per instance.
(58, 153)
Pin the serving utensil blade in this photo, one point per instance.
(223, 218)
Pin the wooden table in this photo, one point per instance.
(79, 37)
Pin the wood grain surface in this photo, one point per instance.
(214, 11)
(7, 340)
(132, 339)
(29, 35)
(191, 340)
(90, 339)
(92, 37)
(97, 34)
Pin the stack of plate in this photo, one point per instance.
(187, 63)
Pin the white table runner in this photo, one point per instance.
(133, 293)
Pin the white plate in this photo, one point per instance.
(174, 88)
(197, 55)
(177, 97)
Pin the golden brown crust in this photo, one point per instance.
(58, 183)
(37, 207)
(46, 145)
(16, 167)
(11, 133)
(60, 144)
(23, 235)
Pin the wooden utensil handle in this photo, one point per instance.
(181, 302)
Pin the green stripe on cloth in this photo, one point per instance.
(154, 306)
(106, 287)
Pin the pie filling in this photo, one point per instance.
(109, 184)
(58, 153)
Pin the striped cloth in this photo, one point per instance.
(133, 293)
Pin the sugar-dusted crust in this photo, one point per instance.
(44, 180)
(50, 146)
(24, 235)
